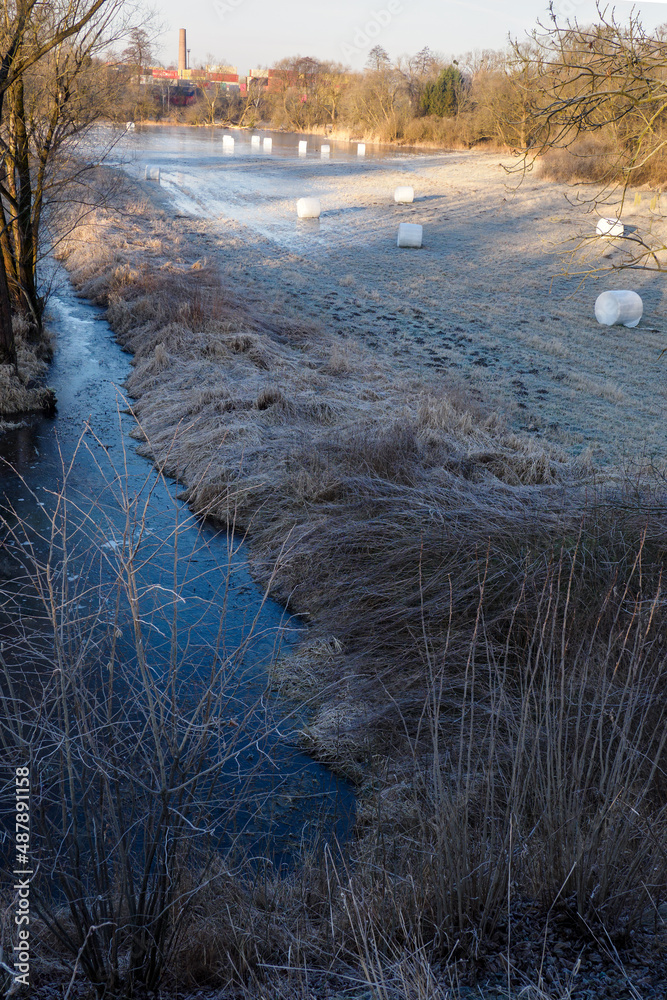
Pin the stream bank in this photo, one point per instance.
(393, 506)
(23, 391)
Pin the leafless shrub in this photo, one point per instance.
(130, 747)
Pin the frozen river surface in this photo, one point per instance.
(75, 483)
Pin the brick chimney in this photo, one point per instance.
(181, 52)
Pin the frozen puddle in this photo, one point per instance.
(209, 195)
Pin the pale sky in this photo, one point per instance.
(250, 33)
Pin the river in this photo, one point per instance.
(218, 602)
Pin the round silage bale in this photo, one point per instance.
(410, 235)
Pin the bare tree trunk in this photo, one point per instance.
(7, 345)
(24, 247)
(6, 248)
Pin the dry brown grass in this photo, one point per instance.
(486, 659)
(599, 159)
(23, 390)
(589, 158)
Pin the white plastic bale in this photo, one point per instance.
(152, 174)
(325, 150)
(268, 145)
(255, 141)
(622, 307)
(404, 195)
(303, 147)
(228, 140)
(361, 149)
(610, 227)
(410, 235)
(308, 208)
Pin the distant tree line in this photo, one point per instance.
(591, 101)
(420, 98)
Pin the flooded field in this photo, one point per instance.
(484, 301)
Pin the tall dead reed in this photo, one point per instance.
(132, 721)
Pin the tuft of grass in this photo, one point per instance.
(22, 390)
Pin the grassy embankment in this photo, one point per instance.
(22, 390)
(486, 659)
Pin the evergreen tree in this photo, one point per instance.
(441, 97)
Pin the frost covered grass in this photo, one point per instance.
(486, 658)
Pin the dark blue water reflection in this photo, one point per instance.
(199, 605)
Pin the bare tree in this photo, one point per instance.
(310, 91)
(417, 71)
(253, 102)
(49, 108)
(379, 101)
(378, 58)
(609, 81)
(139, 52)
(30, 30)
